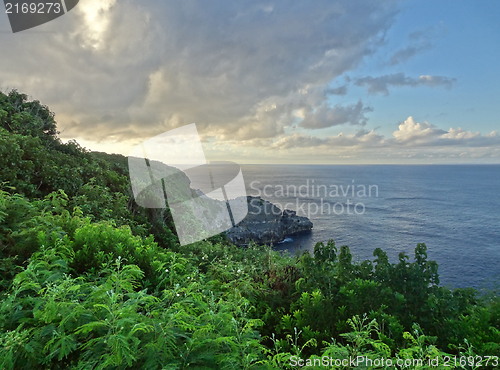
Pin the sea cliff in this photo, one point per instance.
(267, 224)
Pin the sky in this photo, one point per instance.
(320, 82)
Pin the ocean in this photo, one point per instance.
(453, 209)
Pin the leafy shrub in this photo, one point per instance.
(89, 280)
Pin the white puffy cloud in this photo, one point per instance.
(409, 137)
(412, 132)
(460, 134)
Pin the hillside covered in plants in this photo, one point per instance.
(89, 280)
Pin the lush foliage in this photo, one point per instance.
(90, 281)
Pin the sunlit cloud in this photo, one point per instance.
(96, 14)
(258, 78)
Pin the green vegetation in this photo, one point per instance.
(88, 280)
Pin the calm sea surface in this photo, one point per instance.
(454, 210)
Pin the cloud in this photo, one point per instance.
(418, 41)
(380, 85)
(245, 72)
(410, 135)
(132, 69)
(362, 138)
(459, 134)
(299, 141)
(325, 116)
(436, 81)
(412, 132)
(341, 90)
(403, 55)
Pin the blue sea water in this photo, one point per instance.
(453, 209)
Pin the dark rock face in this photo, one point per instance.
(267, 224)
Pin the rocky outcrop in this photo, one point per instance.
(267, 224)
(264, 223)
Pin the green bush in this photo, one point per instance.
(89, 280)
